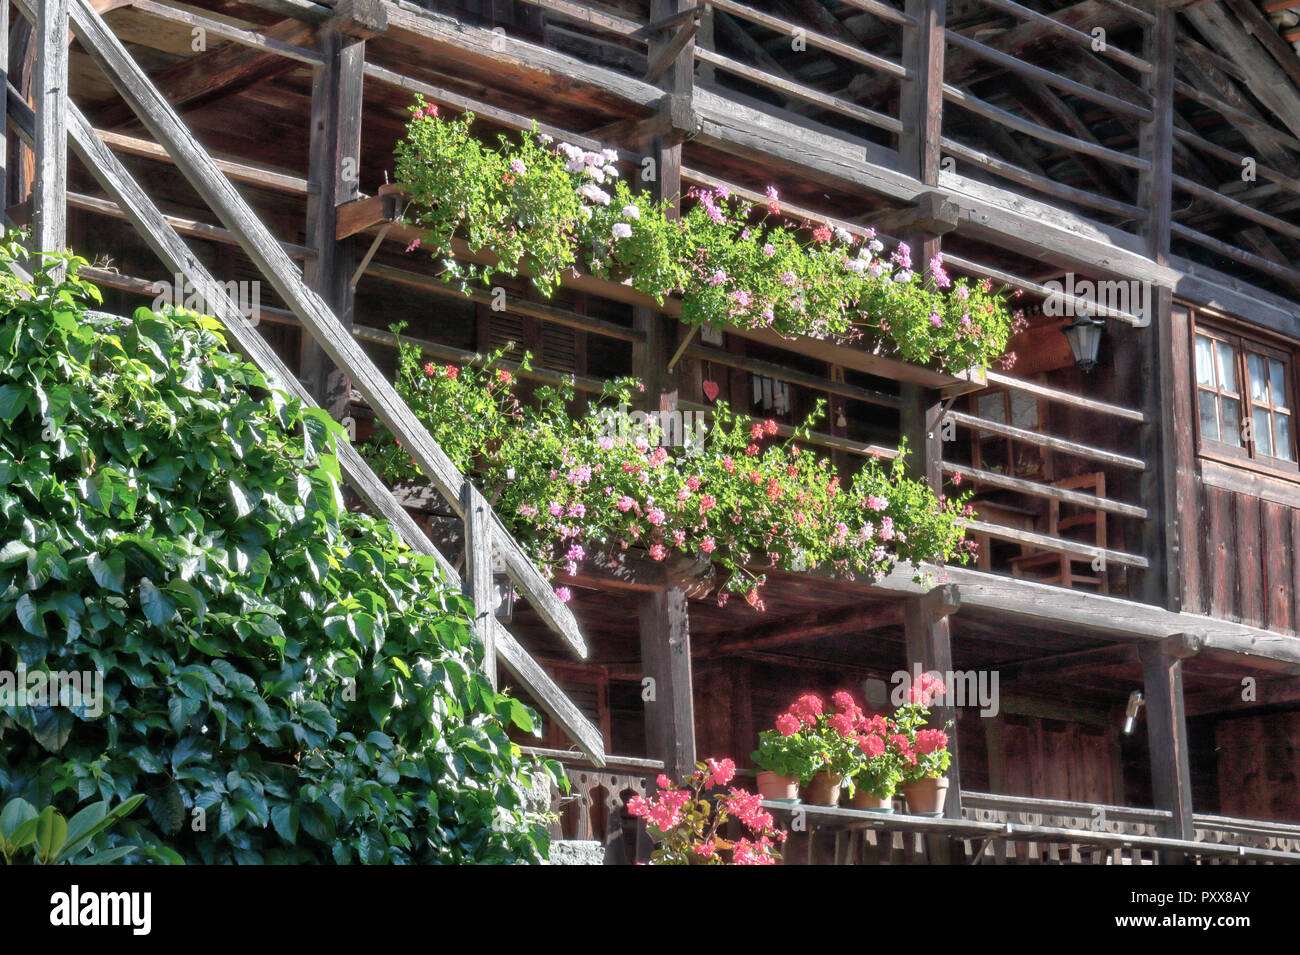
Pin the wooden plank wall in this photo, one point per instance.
(1259, 760)
(1238, 548)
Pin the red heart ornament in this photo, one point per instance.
(710, 389)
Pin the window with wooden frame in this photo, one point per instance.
(1245, 398)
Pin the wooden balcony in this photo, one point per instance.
(991, 829)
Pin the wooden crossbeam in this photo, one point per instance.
(1047, 441)
(204, 77)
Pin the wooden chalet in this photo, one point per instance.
(1138, 523)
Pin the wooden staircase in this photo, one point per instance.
(60, 122)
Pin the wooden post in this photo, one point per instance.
(49, 204)
(921, 101)
(4, 107)
(650, 356)
(477, 582)
(1161, 583)
(928, 640)
(1171, 772)
(335, 163)
(666, 658)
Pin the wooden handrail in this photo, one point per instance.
(1035, 489)
(1064, 397)
(1056, 544)
(1047, 441)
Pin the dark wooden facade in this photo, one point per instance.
(1119, 550)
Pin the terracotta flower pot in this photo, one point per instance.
(865, 800)
(927, 796)
(772, 786)
(824, 789)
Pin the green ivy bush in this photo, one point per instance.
(284, 679)
(552, 207)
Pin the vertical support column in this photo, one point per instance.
(1161, 583)
(921, 113)
(49, 205)
(4, 107)
(650, 357)
(335, 163)
(1171, 772)
(477, 578)
(666, 657)
(929, 644)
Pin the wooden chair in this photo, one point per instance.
(1054, 567)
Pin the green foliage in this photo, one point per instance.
(797, 756)
(548, 208)
(567, 483)
(54, 839)
(283, 678)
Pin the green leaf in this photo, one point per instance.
(157, 608)
(13, 399)
(13, 552)
(316, 715)
(51, 834)
(14, 814)
(29, 615)
(110, 572)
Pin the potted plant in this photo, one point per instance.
(684, 821)
(878, 771)
(922, 750)
(784, 760)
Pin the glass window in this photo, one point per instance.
(1243, 396)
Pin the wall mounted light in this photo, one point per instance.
(1084, 336)
(1135, 703)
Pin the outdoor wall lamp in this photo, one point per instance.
(1135, 703)
(1084, 336)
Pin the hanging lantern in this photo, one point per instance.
(1084, 336)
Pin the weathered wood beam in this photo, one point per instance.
(929, 649)
(4, 103)
(1266, 80)
(1171, 771)
(1060, 664)
(805, 627)
(477, 582)
(334, 161)
(204, 77)
(666, 657)
(275, 265)
(49, 207)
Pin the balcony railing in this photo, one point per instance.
(993, 829)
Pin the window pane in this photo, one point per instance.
(1258, 377)
(1277, 374)
(1282, 429)
(1230, 411)
(1227, 367)
(1205, 361)
(1263, 434)
(1209, 415)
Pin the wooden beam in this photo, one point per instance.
(205, 76)
(477, 581)
(49, 209)
(1265, 79)
(921, 96)
(929, 649)
(792, 631)
(258, 243)
(666, 657)
(1060, 664)
(4, 103)
(335, 170)
(1171, 773)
